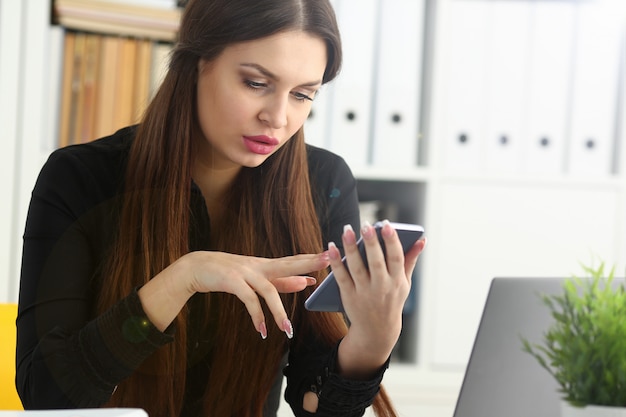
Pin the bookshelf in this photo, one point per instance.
(114, 57)
(542, 212)
(42, 106)
(538, 220)
(107, 81)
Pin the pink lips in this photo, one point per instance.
(262, 145)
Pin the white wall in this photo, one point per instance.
(29, 59)
(11, 13)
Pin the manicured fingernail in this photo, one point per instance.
(325, 256)
(288, 328)
(263, 330)
(310, 281)
(387, 228)
(332, 250)
(366, 229)
(349, 236)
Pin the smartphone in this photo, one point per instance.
(326, 296)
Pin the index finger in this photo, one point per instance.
(288, 266)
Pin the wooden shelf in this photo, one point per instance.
(115, 18)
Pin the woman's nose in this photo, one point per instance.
(274, 113)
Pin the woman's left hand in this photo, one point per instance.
(373, 296)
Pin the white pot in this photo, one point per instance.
(568, 410)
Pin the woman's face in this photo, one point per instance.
(255, 95)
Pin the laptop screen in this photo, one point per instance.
(501, 379)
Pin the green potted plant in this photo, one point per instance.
(585, 347)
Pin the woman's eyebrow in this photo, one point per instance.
(275, 77)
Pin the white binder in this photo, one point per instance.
(316, 125)
(398, 84)
(465, 75)
(507, 85)
(350, 115)
(595, 89)
(549, 88)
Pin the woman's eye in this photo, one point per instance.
(255, 85)
(302, 96)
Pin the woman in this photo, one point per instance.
(164, 266)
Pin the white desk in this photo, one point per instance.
(91, 412)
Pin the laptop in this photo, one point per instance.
(501, 379)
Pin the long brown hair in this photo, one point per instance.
(158, 184)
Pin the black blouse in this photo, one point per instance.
(67, 357)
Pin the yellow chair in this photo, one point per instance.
(9, 400)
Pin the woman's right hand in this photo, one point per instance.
(246, 277)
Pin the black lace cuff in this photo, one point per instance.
(127, 335)
(338, 396)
